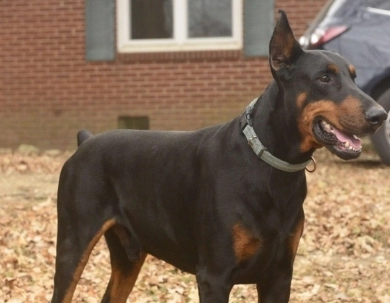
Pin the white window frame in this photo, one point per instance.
(180, 42)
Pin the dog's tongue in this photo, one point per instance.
(353, 141)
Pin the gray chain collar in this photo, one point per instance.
(262, 152)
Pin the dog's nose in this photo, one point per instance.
(375, 116)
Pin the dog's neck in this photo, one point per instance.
(276, 126)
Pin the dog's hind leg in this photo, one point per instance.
(126, 262)
(73, 250)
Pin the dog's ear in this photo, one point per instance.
(283, 48)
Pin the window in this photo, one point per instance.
(178, 25)
(127, 122)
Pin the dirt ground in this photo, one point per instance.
(344, 255)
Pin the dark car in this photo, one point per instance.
(359, 30)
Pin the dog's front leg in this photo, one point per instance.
(277, 286)
(213, 288)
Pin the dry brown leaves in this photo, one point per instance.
(344, 255)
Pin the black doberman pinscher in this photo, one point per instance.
(205, 201)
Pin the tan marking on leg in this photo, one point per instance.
(296, 236)
(245, 244)
(84, 259)
(122, 235)
(122, 284)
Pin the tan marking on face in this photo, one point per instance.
(347, 115)
(352, 71)
(84, 259)
(245, 244)
(122, 283)
(333, 68)
(296, 236)
(301, 99)
(353, 107)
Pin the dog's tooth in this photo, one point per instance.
(327, 126)
(346, 144)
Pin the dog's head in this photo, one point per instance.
(318, 86)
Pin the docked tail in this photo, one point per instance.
(83, 135)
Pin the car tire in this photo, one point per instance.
(381, 139)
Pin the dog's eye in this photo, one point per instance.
(324, 79)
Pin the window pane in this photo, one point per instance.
(127, 122)
(151, 19)
(209, 18)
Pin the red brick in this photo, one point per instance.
(48, 90)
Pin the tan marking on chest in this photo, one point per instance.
(245, 244)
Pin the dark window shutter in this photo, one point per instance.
(258, 26)
(99, 30)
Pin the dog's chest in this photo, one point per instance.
(268, 233)
(257, 254)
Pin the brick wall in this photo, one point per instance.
(48, 91)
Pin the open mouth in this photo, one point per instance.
(344, 145)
